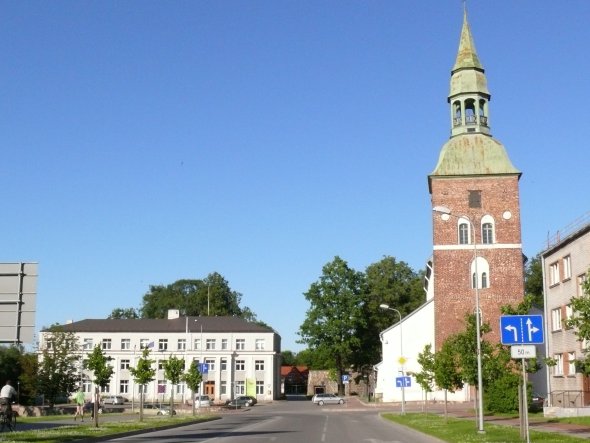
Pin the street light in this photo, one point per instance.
(446, 211)
(401, 353)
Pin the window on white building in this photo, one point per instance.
(125, 344)
(105, 389)
(125, 364)
(581, 281)
(181, 345)
(161, 386)
(197, 343)
(240, 344)
(224, 344)
(163, 344)
(210, 364)
(567, 267)
(259, 344)
(124, 387)
(210, 344)
(106, 344)
(222, 387)
(223, 364)
(161, 364)
(143, 343)
(86, 385)
(88, 344)
(180, 387)
(558, 368)
(240, 388)
(240, 365)
(571, 361)
(259, 365)
(259, 387)
(556, 319)
(554, 273)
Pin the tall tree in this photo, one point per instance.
(98, 363)
(533, 280)
(173, 369)
(425, 378)
(143, 373)
(335, 315)
(210, 296)
(388, 282)
(446, 372)
(193, 377)
(124, 313)
(58, 366)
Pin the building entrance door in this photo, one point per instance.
(210, 388)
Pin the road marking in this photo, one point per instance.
(325, 430)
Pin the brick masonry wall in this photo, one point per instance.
(453, 294)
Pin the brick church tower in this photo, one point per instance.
(474, 188)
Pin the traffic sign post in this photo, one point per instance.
(403, 382)
(523, 332)
(522, 329)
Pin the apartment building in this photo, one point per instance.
(242, 358)
(566, 262)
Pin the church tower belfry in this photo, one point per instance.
(477, 250)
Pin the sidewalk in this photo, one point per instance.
(465, 410)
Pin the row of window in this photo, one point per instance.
(464, 232)
(560, 270)
(163, 387)
(165, 344)
(239, 365)
(565, 364)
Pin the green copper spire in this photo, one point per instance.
(467, 56)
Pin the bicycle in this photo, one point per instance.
(7, 421)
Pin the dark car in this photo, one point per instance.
(241, 401)
(537, 402)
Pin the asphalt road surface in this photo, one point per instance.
(290, 422)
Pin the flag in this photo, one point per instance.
(150, 344)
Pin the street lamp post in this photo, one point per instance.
(446, 211)
(401, 352)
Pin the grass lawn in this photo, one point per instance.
(87, 430)
(457, 430)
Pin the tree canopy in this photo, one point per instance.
(533, 278)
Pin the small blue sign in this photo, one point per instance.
(345, 378)
(522, 329)
(203, 368)
(403, 382)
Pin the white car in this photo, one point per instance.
(327, 399)
(202, 401)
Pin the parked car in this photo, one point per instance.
(165, 410)
(327, 399)
(537, 402)
(114, 400)
(202, 401)
(241, 401)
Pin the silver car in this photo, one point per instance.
(327, 399)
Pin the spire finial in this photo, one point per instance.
(467, 56)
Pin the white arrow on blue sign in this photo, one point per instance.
(521, 329)
(403, 382)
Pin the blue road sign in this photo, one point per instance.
(203, 368)
(345, 378)
(403, 382)
(522, 329)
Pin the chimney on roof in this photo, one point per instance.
(173, 314)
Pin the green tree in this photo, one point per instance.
(335, 315)
(193, 377)
(533, 274)
(580, 320)
(58, 366)
(124, 313)
(425, 378)
(210, 296)
(173, 369)
(98, 363)
(288, 358)
(388, 282)
(28, 378)
(143, 373)
(446, 372)
(314, 359)
(10, 363)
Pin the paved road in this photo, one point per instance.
(290, 422)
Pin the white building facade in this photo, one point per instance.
(242, 358)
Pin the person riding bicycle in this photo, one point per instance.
(7, 394)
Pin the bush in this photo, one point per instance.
(501, 394)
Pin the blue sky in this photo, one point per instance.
(144, 142)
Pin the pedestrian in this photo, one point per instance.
(79, 404)
(7, 395)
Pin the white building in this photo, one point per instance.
(242, 357)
